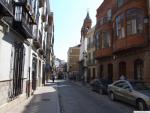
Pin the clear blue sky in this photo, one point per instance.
(68, 20)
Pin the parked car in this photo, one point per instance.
(132, 92)
(100, 86)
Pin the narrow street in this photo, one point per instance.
(75, 98)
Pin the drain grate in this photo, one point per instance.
(45, 99)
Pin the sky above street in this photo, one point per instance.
(68, 20)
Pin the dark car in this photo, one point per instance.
(100, 86)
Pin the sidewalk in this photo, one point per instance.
(44, 100)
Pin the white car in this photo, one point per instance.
(132, 92)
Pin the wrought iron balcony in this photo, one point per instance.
(6, 7)
(23, 19)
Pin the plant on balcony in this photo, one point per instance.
(36, 44)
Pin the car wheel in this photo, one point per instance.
(141, 105)
(101, 91)
(112, 96)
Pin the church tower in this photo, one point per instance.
(86, 25)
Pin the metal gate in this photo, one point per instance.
(18, 69)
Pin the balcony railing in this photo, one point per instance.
(105, 52)
(104, 20)
(91, 62)
(23, 19)
(6, 7)
(129, 43)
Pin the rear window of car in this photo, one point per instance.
(139, 86)
(122, 84)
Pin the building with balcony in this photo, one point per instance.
(123, 46)
(91, 62)
(49, 45)
(103, 39)
(23, 42)
(72, 62)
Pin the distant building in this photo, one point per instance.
(91, 62)
(73, 59)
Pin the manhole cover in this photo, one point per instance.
(45, 99)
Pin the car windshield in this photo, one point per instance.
(139, 86)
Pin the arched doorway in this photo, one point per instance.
(122, 69)
(34, 73)
(138, 69)
(110, 72)
(101, 71)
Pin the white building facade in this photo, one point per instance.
(83, 48)
(23, 42)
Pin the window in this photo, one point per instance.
(106, 41)
(109, 13)
(120, 26)
(122, 84)
(135, 21)
(101, 69)
(122, 68)
(18, 13)
(88, 43)
(101, 21)
(97, 41)
(138, 69)
(120, 2)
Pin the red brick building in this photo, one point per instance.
(122, 41)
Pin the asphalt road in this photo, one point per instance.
(74, 98)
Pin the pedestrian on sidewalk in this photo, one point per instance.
(53, 77)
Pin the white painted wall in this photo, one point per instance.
(5, 56)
